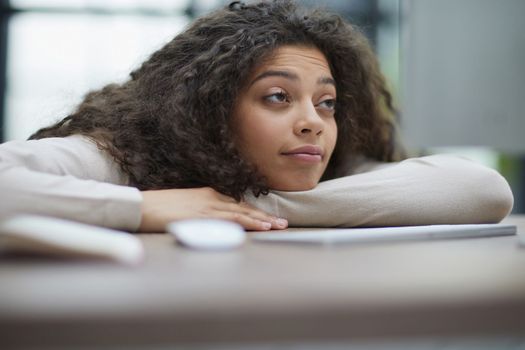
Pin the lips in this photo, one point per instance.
(307, 153)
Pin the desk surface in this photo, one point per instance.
(268, 292)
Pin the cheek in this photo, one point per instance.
(260, 126)
(257, 133)
(260, 132)
(332, 134)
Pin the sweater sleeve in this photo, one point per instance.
(438, 189)
(68, 178)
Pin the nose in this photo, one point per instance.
(308, 122)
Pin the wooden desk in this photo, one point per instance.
(268, 292)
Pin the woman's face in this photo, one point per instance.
(284, 118)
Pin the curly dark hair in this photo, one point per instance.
(168, 126)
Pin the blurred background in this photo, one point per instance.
(455, 67)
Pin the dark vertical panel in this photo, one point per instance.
(519, 191)
(512, 167)
(5, 13)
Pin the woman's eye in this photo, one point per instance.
(328, 104)
(278, 97)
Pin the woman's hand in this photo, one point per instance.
(163, 206)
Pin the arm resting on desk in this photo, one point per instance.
(68, 178)
(436, 189)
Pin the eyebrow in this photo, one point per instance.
(291, 76)
(326, 81)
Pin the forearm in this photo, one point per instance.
(418, 191)
(68, 178)
(87, 201)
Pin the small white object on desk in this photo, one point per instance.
(521, 238)
(382, 234)
(58, 237)
(207, 234)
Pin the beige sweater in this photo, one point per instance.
(71, 178)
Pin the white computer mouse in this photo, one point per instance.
(207, 234)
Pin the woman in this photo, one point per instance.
(251, 104)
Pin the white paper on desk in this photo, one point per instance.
(379, 234)
(42, 235)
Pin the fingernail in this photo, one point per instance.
(281, 222)
(266, 225)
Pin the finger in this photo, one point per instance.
(247, 209)
(277, 222)
(245, 221)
